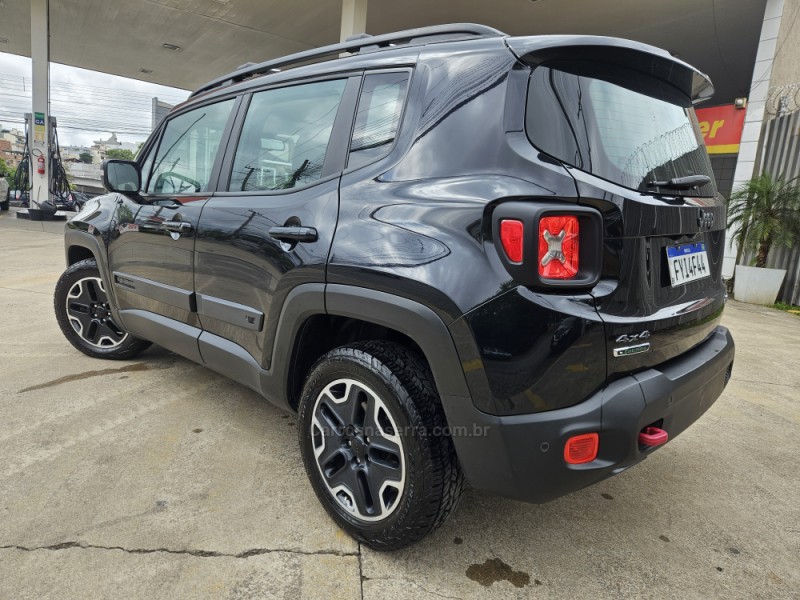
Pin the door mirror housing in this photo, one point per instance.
(121, 176)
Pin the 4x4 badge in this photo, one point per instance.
(632, 337)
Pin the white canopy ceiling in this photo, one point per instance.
(127, 37)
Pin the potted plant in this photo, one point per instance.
(764, 211)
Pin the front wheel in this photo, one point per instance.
(375, 444)
(83, 313)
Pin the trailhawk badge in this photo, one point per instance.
(635, 349)
(629, 350)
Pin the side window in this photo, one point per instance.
(378, 117)
(188, 149)
(285, 136)
(146, 164)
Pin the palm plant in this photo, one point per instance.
(764, 211)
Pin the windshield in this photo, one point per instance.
(620, 125)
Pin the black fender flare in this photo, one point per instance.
(411, 318)
(93, 243)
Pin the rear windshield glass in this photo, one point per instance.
(617, 124)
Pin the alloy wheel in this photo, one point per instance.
(358, 450)
(90, 316)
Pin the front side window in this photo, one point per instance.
(285, 137)
(146, 163)
(188, 150)
(620, 125)
(378, 116)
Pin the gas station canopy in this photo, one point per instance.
(184, 43)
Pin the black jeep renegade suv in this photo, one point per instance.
(457, 255)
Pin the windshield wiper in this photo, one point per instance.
(682, 183)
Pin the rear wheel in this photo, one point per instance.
(83, 313)
(375, 446)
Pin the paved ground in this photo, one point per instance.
(160, 479)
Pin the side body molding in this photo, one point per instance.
(183, 299)
(415, 320)
(233, 361)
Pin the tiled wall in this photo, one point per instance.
(755, 109)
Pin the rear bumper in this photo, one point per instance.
(521, 456)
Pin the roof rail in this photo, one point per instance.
(356, 43)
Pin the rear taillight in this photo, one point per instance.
(559, 239)
(511, 236)
(549, 245)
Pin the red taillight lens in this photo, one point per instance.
(582, 448)
(558, 247)
(511, 236)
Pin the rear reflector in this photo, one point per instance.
(558, 247)
(582, 448)
(511, 232)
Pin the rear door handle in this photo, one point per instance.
(178, 226)
(294, 234)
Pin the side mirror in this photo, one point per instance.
(121, 176)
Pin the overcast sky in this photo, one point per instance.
(87, 104)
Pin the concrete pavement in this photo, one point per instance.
(157, 478)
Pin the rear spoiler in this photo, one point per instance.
(653, 61)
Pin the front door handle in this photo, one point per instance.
(294, 234)
(178, 226)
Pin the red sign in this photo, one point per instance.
(721, 127)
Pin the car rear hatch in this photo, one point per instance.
(619, 116)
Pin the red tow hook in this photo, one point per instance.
(653, 436)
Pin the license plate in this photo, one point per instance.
(687, 262)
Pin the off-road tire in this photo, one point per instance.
(433, 480)
(82, 284)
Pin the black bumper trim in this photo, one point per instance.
(521, 456)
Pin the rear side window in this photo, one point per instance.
(622, 126)
(378, 116)
(285, 137)
(188, 150)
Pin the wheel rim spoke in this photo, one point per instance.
(109, 331)
(358, 449)
(92, 332)
(357, 403)
(331, 415)
(81, 313)
(331, 445)
(345, 476)
(385, 451)
(91, 291)
(367, 494)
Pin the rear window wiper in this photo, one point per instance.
(682, 183)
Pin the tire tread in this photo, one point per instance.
(409, 373)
